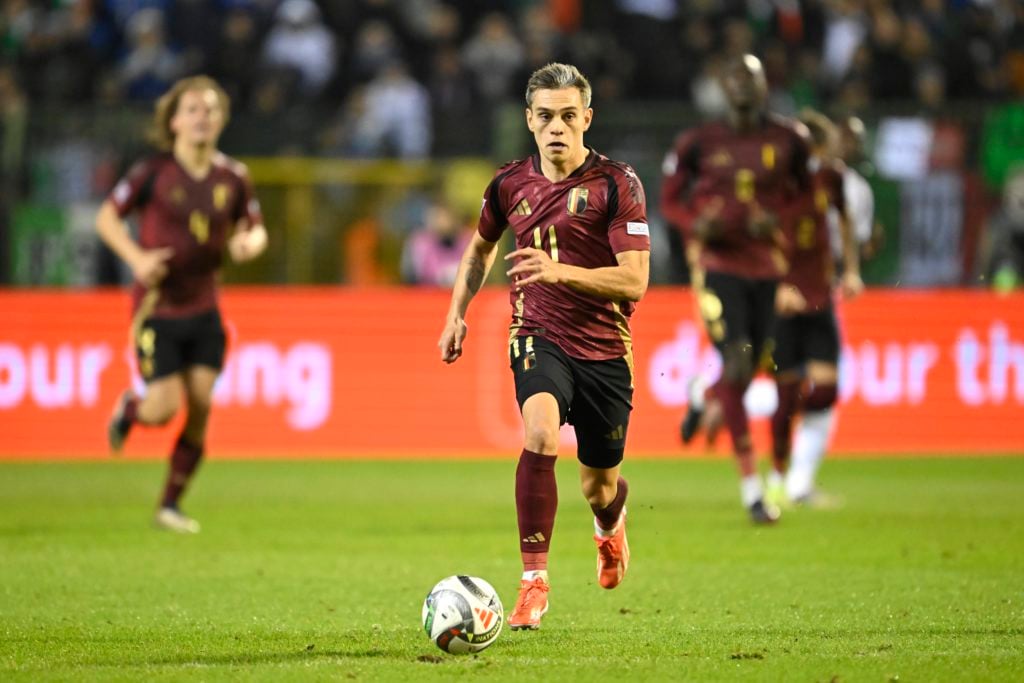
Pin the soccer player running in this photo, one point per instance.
(726, 184)
(193, 202)
(579, 267)
(806, 335)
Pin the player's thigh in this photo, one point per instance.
(205, 342)
(541, 367)
(600, 411)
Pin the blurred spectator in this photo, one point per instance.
(66, 53)
(432, 253)
(375, 46)
(235, 54)
(392, 118)
(846, 27)
(300, 41)
(890, 72)
(150, 65)
(707, 93)
(494, 56)
(13, 123)
(1001, 256)
(194, 28)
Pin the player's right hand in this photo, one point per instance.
(708, 224)
(151, 265)
(789, 301)
(451, 340)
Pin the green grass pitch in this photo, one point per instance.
(316, 570)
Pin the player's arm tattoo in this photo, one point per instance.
(476, 269)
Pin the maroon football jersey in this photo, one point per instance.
(192, 217)
(809, 252)
(767, 165)
(583, 220)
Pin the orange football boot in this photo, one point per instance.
(531, 605)
(612, 555)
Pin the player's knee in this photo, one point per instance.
(161, 413)
(541, 438)
(738, 363)
(821, 397)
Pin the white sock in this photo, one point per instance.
(535, 573)
(601, 531)
(809, 444)
(751, 490)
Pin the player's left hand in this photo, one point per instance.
(851, 285)
(246, 245)
(534, 266)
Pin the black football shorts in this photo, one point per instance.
(594, 396)
(164, 346)
(806, 337)
(737, 310)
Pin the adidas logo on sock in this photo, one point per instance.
(535, 538)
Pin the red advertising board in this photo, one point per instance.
(356, 373)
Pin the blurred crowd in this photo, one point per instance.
(390, 66)
(411, 78)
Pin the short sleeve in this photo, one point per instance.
(132, 191)
(492, 216)
(627, 226)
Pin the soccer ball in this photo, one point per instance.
(462, 614)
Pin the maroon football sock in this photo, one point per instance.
(782, 423)
(820, 397)
(130, 414)
(184, 461)
(731, 397)
(608, 516)
(536, 503)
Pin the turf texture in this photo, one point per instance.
(316, 570)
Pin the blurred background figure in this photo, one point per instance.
(494, 56)
(393, 117)
(151, 65)
(300, 41)
(436, 80)
(1001, 257)
(432, 252)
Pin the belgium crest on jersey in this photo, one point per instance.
(221, 192)
(577, 203)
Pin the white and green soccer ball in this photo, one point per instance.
(463, 614)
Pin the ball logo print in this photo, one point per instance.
(462, 614)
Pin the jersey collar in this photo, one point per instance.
(587, 164)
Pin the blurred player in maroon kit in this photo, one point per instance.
(194, 203)
(806, 335)
(726, 184)
(580, 264)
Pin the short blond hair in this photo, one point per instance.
(160, 133)
(555, 76)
